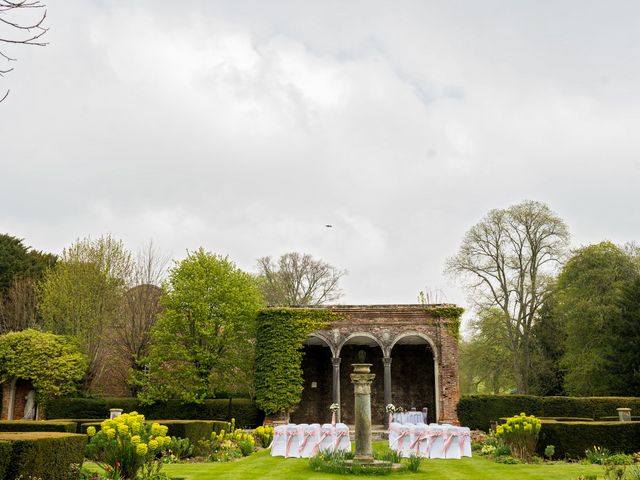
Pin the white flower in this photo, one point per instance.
(390, 408)
(334, 407)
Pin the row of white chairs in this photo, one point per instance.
(304, 440)
(430, 441)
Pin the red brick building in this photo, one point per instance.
(413, 353)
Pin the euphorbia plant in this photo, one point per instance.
(520, 433)
(126, 445)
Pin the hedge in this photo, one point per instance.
(242, 409)
(46, 455)
(477, 411)
(78, 421)
(37, 426)
(218, 426)
(571, 439)
(635, 418)
(5, 457)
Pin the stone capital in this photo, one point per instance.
(335, 361)
(386, 361)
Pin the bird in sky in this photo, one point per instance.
(328, 226)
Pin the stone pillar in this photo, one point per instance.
(386, 361)
(12, 398)
(624, 414)
(335, 394)
(362, 379)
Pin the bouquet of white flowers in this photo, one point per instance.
(391, 408)
(334, 407)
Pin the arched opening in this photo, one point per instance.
(317, 376)
(352, 350)
(414, 375)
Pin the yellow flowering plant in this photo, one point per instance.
(127, 446)
(263, 435)
(520, 433)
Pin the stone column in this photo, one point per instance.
(335, 394)
(387, 386)
(362, 379)
(12, 398)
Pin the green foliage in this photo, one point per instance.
(46, 455)
(520, 433)
(572, 439)
(5, 457)
(202, 340)
(50, 362)
(228, 445)
(194, 430)
(413, 463)
(615, 466)
(126, 445)
(82, 295)
(37, 426)
(242, 409)
(486, 362)
(590, 289)
(477, 411)
(179, 449)
(341, 463)
(596, 455)
(263, 436)
(278, 375)
(625, 354)
(16, 259)
(451, 313)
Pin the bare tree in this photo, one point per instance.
(298, 280)
(506, 262)
(140, 308)
(20, 28)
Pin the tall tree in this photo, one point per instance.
(298, 280)
(591, 290)
(204, 338)
(625, 355)
(506, 261)
(82, 297)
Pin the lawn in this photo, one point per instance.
(261, 465)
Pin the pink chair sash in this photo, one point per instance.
(307, 434)
(461, 437)
(290, 435)
(324, 435)
(431, 436)
(448, 439)
(339, 434)
(276, 435)
(399, 441)
(420, 437)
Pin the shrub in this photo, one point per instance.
(413, 463)
(521, 434)
(218, 426)
(263, 436)
(126, 445)
(178, 449)
(549, 451)
(194, 430)
(43, 454)
(5, 456)
(596, 455)
(615, 466)
(634, 472)
(572, 439)
(37, 426)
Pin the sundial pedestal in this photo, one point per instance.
(362, 379)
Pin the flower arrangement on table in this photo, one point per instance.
(334, 407)
(390, 409)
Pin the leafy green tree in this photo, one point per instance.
(204, 337)
(486, 360)
(82, 297)
(590, 294)
(51, 362)
(506, 261)
(549, 338)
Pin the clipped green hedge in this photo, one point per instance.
(46, 455)
(616, 418)
(194, 430)
(5, 457)
(477, 411)
(571, 439)
(218, 426)
(37, 426)
(243, 410)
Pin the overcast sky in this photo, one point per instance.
(245, 127)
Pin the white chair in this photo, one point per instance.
(310, 435)
(342, 442)
(327, 438)
(292, 448)
(418, 446)
(451, 443)
(399, 437)
(464, 437)
(279, 443)
(435, 441)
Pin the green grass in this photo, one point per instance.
(261, 465)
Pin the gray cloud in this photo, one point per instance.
(244, 127)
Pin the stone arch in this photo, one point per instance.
(356, 335)
(436, 398)
(325, 340)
